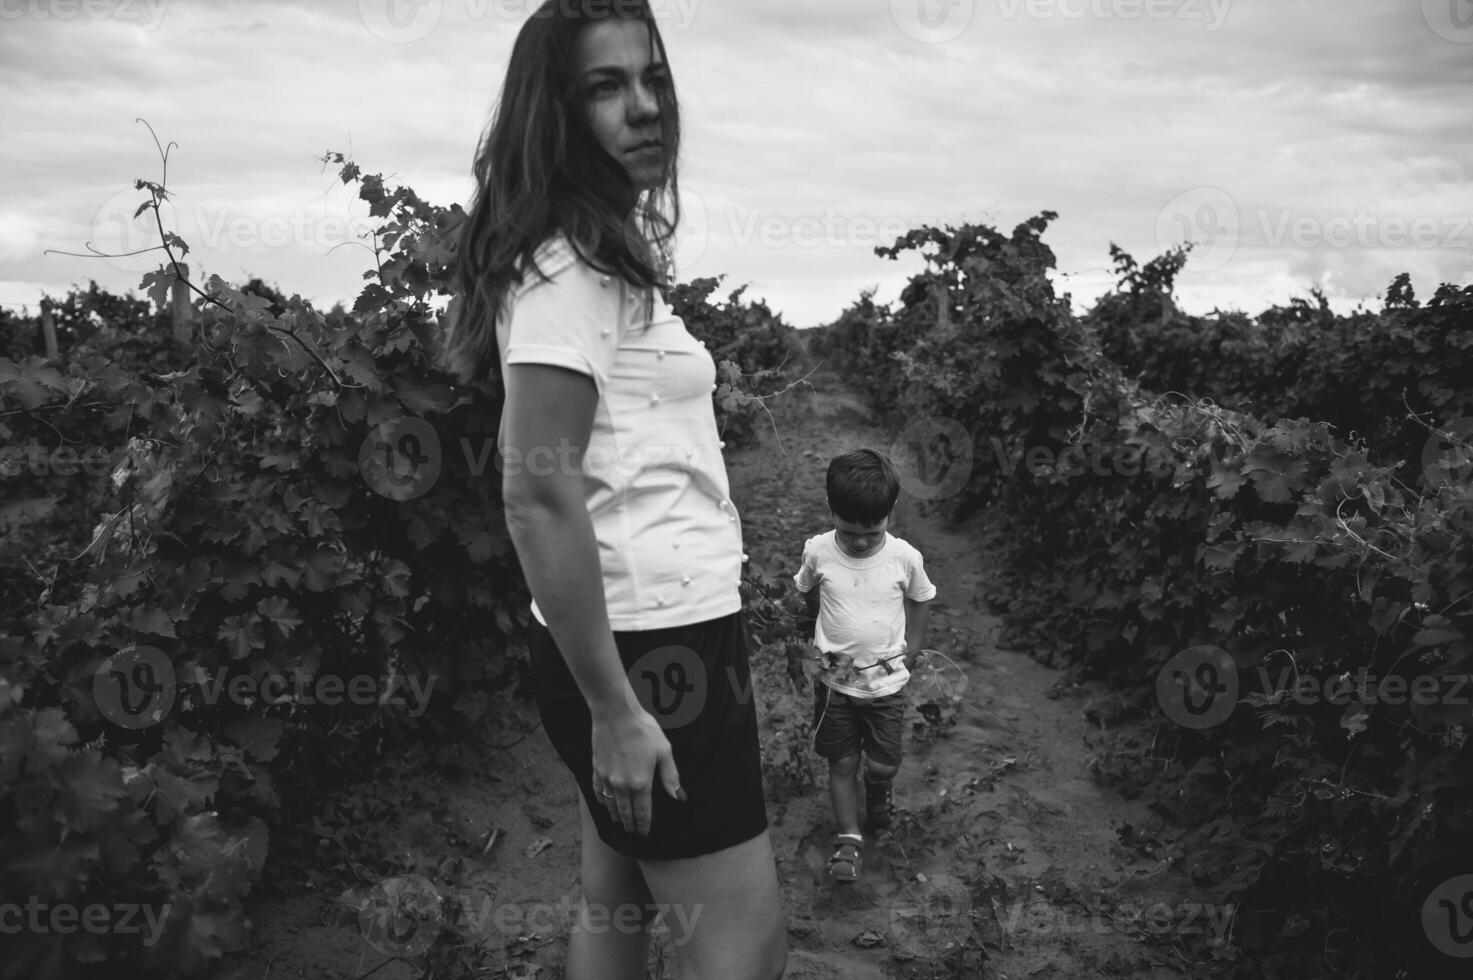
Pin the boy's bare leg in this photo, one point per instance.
(878, 772)
(844, 792)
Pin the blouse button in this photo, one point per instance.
(604, 281)
(654, 399)
(744, 556)
(659, 600)
(685, 580)
(713, 387)
(660, 354)
(606, 333)
(721, 444)
(675, 545)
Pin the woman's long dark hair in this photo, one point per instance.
(540, 170)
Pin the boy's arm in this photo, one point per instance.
(807, 619)
(916, 616)
(808, 623)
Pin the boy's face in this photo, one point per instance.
(858, 540)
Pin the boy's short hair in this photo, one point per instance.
(862, 486)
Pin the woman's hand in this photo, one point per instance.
(629, 752)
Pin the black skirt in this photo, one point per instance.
(696, 681)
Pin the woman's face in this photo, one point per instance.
(620, 78)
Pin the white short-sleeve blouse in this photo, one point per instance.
(669, 537)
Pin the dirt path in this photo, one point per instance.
(1008, 859)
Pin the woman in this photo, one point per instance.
(616, 497)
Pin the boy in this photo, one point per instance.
(867, 592)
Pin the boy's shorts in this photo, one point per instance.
(843, 725)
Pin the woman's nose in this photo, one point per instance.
(642, 105)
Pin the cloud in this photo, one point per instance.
(811, 127)
(19, 237)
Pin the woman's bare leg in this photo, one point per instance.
(604, 946)
(724, 912)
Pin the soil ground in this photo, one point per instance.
(1009, 858)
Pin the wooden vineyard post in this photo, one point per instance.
(48, 330)
(180, 308)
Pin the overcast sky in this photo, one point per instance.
(1300, 141)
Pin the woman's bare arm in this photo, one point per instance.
(549, 416)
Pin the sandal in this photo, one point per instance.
(879, 804)
(844, 862)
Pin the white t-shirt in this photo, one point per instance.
(669, 537)
(861, 610)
